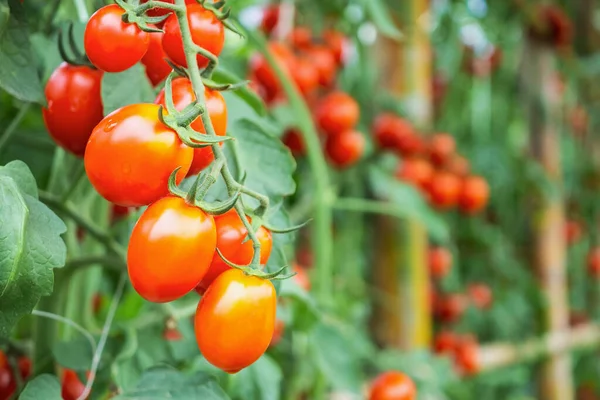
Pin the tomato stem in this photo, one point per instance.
(12, 127)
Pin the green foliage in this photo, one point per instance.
(42, 387)
(124, 88)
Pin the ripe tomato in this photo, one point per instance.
(157, 68)
(336, 42)
(389, 130)
(451, 307)
(235, 320)
(458, 166)
(440, 262)
(294, 141)
(573, 231)
(74, 106)
(72, 387)
(337, 112)
(301, 37)
(277, 332)
(207, 32)
(170, 249)
(466, 355)
(231, 234)
(324, 62)
(265, 75)
(441, 148)
(480, 295)
(474, 194)
(416, 171)
(301, 277)
(305, 75)
(444, 190)
(393, 385)
(444, 342)
(111, 44)
(270, 19)
(593, 262)
(8, 383)
(345, 148)
(183, 95)
(131, 154)
(118, 212)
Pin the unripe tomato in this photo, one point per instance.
(336, 42)
(301, 37)
(389, 130)
(231, 234)
(444, 342)
(207, 32)
(393, 385)
(466, 355)
(416, 171)
(480, 295)
(441, 148)
(593, 262)
(294, 141)
(337, 112)
(111, 44)
(170, 249)
(444, 190)
(265, 75)
(305, 75)
(301, 277)
(235, 320)
(277, 332)
(131, 154)
(74, 106)
(183, 95)
(458, 165)
(474, 194)
(345, 148)
(440, 262)
(451, 307)
(573, 231)
(157, 68)
(72, 387)
(324, 62)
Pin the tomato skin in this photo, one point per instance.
(444, 342)
(265, 75)
(441, 148)
(324, 62)
(474, 195)
(573, 231)
(345, 148)
(389, 130)
(170, 249)
(270, 19)
(143, 152)
(466, 355)
(440, 262)
(8, 383)
(393, 385)
(480, 295)
(72, 387)
(293, 139)
(444, 190)
(301, 37)
(301, 277)
(337, 112)
(183, 95)
(231, 232)
(593, 262)
(157, 68)
(111, 44)
(235, 320)
(416, 171)
(207, 32)
(74, 106)
(305, 75)
(458, 166)
(336, 42)
(450, 308)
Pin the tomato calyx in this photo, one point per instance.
(136, 14)
(75, 57)
(222, 13)
(252, 270)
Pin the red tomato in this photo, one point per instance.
(481, 295)
(277, 333)
(170, 249)
(444, 190)
(416, 171)
(324, 63)
(458, 166)
(265, 75)
(301, 277)
(74, 106)
(172, 334)
(157, 68)
(131, 155)
(183, 95)
(593, 262)
(119, 212)
(111, 44)
(393, 385)
(294, 141)
(270, 19)
(440, 262)
(441, 148)
(451, 307)
(336, 42)
(72, 387)
(466, 355)
(474, 195)
(444, 342)
(8, 383)
(231, 234)
(337, 112)
(345, 148)
(573, 231)
(207, 32)
(305, 75)
(301, 37)
(235, 320)
(389, 130)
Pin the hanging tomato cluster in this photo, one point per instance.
(463, 349)
(8, 382)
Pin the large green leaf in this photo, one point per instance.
(30, 246)
(244, 93)
(124, 88)
(260, 381)
(43, 387)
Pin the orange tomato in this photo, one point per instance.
(393, 385)
(337, 112)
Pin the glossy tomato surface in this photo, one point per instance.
(72, 387)
(265, 75)
(393, 385)
(345, 148)
(324, 62)
(235, 320)
(131, 155)
(337, 112)
(170, 249)
(157, 68)
(183, 95)
(74, 106)
(111, 44)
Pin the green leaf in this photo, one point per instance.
(166, 383)
(18, 72)
(43, 387)
(305, 312)
(245, 93)
(30, 247)
(20, 173)
(260, 381)
(124, 88)
(74, 354)
(381, 17)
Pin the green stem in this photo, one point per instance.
(112, 263)
(79, 177)
(82, 12)
(12, 127)
(69, 322)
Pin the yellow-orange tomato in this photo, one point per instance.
(235, 320)
(170, 249)
(393, 385)
(131, 154)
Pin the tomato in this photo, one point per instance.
(111, 44)
(231, 234)
(337, 112)
(458, 166)
(172, 334)
(336, 42)
(411, 146)
(440, 262)
(301, 277)
(170, 249)
(131, 154)
(444, 190)
(301, 37)
(389, 130)
(265, 75)
(324, 63)
(466, 355)
(277, 332)
(474, 194)
(593, 262)
(74, 106)
(183, 95)
(305, 75)
(72, 387)
(393, 385)
(157, 68)
(441, 148)
(8, 383)
(345, 148)
(235, 320)
(480, 295)
(207, 32)
(416, 171)
(292, 138)
(444, 342)
(270, 19)
(450, 308)
(573, 231)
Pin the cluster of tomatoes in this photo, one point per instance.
(432, 165)
(8, 382)
(463, 349)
